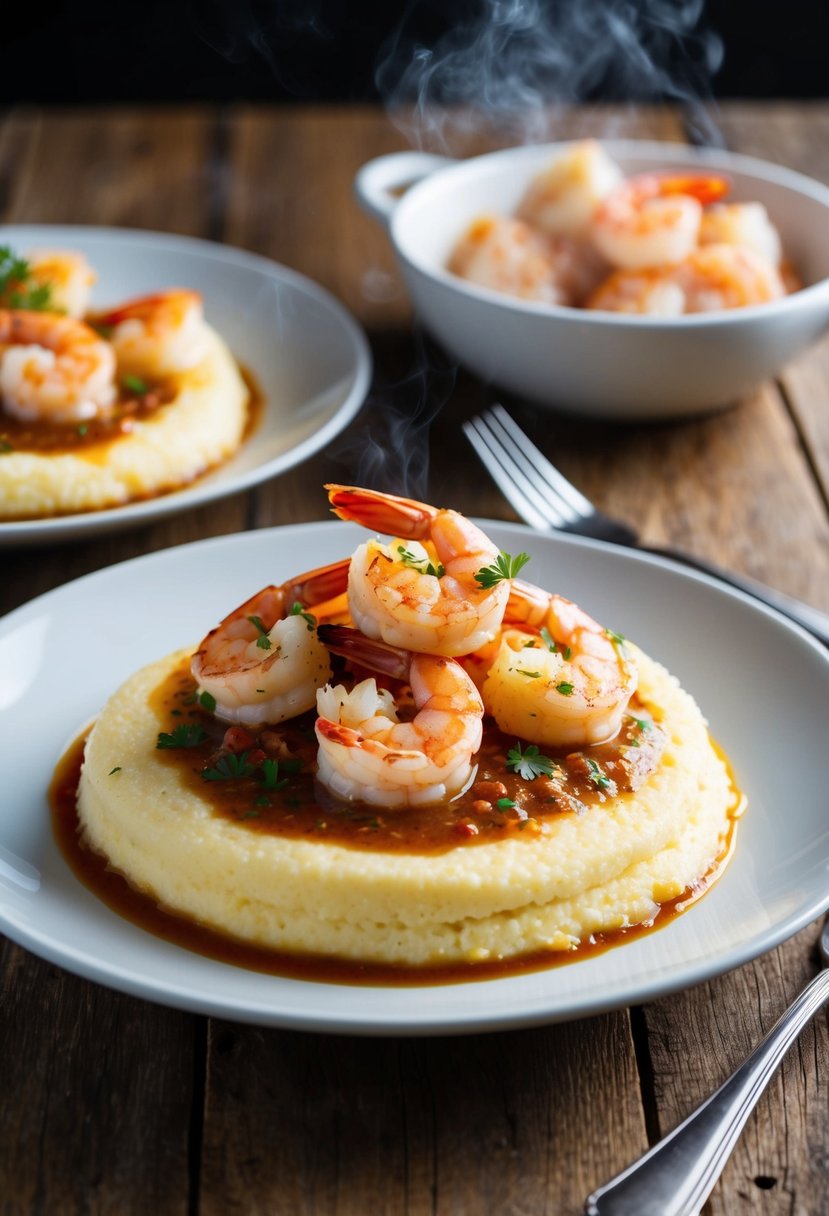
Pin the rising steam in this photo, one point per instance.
(513, 61)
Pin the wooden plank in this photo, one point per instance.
(797, 136)
(96, 1096)
(741, 486)
(102, 1085)
(698, 1038)
(120, 166)
(509, 1123)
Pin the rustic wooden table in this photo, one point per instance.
(111, 1104)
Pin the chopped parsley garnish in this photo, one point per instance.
(228, 767)
(117, 769)
(82, 428)
(642, 723)
(505, 804)
(553, 646)
(270, 775)
(505, 566)
(421, 564)
(134, 384)
(530, 763)
(297, 609)
(232, 766)
(533, 675)
(186, 735)
(618, 639)
(207, 701)
(565, 688)
(263, 641)
(16, 291)
(597, 776)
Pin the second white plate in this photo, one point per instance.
(306, 352)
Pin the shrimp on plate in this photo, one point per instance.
(653, 219)
(420, 591)
(158, 335)
(558, 677)
(562, 199)
(710, 277)
(54, 368)
(264, 662)
(67, 275)
(367, 753)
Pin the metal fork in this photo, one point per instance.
(546, 500)
(676, 1176)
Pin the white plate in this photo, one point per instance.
(763, 683)
(307, 353)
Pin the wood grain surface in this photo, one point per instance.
(109, 1104)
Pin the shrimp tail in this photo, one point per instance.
(703, 188)
(375, 655)
(320, 585)
(387, 513)
(335, 732)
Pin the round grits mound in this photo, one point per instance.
(607, 868)
(199, 428)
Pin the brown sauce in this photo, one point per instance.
(94, 439)
(498, 802)
(54, 439)
(117, 893)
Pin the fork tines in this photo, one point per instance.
(523, 474)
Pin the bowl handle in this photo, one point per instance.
(381, 182)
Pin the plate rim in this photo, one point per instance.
(204, 489)
(327, 1019)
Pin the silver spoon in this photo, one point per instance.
(677, 1175)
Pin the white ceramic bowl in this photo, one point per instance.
(598, 363)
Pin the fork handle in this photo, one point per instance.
(678, 1174)
(810, 618)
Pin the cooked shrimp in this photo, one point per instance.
(158, 335)
(54, 368)
(562, 199)
(507, 255)
(68, 276)
(651, 292)
(558, 677)
(264, 661)
(421, 596)
(711, 277)
(746, 224)
(365, 752)
(653, 219)
(727, 276)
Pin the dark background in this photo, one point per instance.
(307, 50)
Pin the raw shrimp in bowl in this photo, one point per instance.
(653, 219)
(366, 752)
(710, 277)
(441, 587)
(562, 199)
(656, 243)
